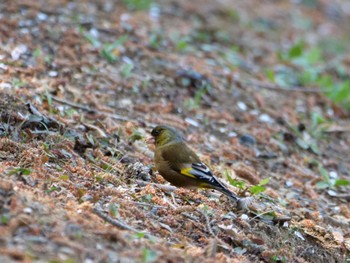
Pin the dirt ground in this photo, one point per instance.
(82, 84)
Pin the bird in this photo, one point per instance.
(180, 165)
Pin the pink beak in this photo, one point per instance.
(150, 140)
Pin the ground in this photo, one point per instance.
(83, 83)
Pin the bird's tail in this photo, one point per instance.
(242, 203)
(227, 192)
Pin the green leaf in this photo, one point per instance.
(98, 178)
(106, 166)
(136, 136)
(264, 181)
(342, 92)
(296, 50)
(313, 56)
(64, 177)
(149, 255)
(317, 119)
(341, 182)
(4, 219)
(126, 70)
(53, 188)
(324, 173)
(93, 40)
(181, 45)
(108, 50)
(138, 4)
(37, 53)
(270, 75)
(325, 82)
(256, 189)
(233, 182)
(22, 171)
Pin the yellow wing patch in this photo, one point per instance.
(186, 171)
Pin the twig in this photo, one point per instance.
(118, 223)
(164, 187)
(88, 109)
(72, 104)
(189, 216)
(207, 222)
(261, 214)
(270, 86)
(344, 196)
(146, 204)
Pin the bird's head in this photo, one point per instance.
(163, 135)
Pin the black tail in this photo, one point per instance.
(228, 193)
(220, 187)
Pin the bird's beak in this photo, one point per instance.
(150, 140)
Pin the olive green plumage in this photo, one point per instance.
(179, 165)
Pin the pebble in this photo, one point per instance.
(333, 174)
(289, 183)
(18, 51)
(247, 140)
(244, 217)
(232, 134)
(265, 118)
(53, 73)
(28, 210)
(242, 106)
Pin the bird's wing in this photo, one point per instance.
(199, 171)
(183, 160)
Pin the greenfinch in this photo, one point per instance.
(180, 166)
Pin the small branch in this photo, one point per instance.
(149, 205)
(270, 86)
(88, 109)
(344, 196)
(118, 223)
(168, 188)
(72, 104)
(114, 222)
(207, 222)
(261, 214)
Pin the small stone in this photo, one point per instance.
(247, 140)
(124, 103)
(333, 174)
(265, 118)
(232, 134)
(42, 16)
(244, 217)
(18, 51)
(289, 183)
(28, 210)
(86, 197)
(242, 106)
(266, 155)
(53, 74)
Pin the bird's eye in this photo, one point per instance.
(155, 132)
